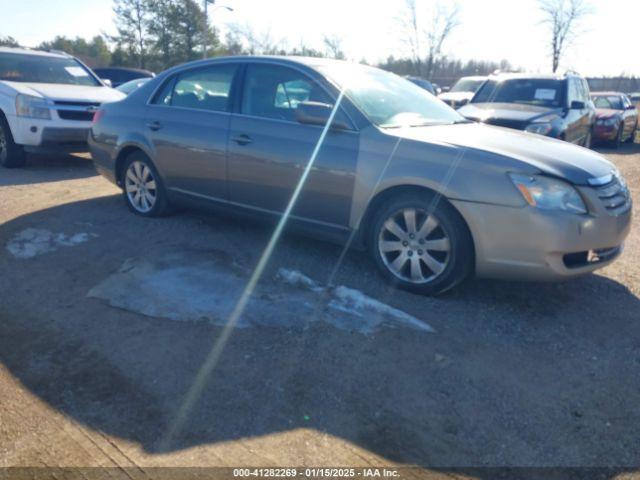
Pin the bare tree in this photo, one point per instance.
(432, 39)
(443, 22)
(254, 43)
(131, 21)
(333, 46)
(563, 18)
(409, 24)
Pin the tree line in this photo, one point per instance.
(158, 34)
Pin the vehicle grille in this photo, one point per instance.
(615, 196)
(77, 111)
(75, 115)
(501, 122)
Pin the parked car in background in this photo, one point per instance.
(46, 100)
(635, 99)
(118, 75)
(557, 106)
(616, 118)
(132, 85)
(462, 92)
(394, 170)
(422, 83)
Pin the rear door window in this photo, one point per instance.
(203, 89)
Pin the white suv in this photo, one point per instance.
(47, 99)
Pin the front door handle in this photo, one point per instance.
(242, 139)
(155, 126)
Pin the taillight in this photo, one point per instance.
(98, 115)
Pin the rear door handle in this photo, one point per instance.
(155, 126)
(242, 139)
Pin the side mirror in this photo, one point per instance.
(577, 105)
(631, 107)
(317, 113)
(107, 82)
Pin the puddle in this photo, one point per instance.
(34, 241)
(199, 286)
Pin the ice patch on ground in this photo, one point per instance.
(354, 302)
(205, 286)
(299, 279)
(34, 241)
(348, 299)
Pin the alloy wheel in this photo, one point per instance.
(414, 246)
(141, 187)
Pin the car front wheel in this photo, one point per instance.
(142, 187)
(632, 136)
(11, 154)
(421, 244)
(618, 140)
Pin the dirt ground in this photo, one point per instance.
(94, 373)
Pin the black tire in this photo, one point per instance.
(618, 140)
(459, 258)
(588, 142)
(160, 206)
(11, 154)
(632, 136)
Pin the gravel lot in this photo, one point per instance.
(514, 374)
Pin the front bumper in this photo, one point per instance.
(531, 244)
(601, 132)
(35, 133)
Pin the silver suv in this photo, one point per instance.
(432, 196)
(47, 99)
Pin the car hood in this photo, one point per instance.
(73, 93)
(456, 96)
(507, 111)
(607, 113)
(529, 152)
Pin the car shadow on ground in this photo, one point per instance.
(624, 149)
(517, 374)
(49, 167)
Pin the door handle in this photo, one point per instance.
(155, 126)
(242, 139)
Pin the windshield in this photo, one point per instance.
(467, 85)
(17, 67)
(611, 101)
(132, 85)
(388, 100)
(542, 92)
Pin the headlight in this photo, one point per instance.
(32, 107)
(539, 128)
(548, 193)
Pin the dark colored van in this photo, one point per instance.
(117, 75)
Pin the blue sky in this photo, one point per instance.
(490, 29)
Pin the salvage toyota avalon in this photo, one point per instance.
(432, 196)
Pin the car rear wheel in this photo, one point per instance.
(142, 187)
(11, 154)
(421, 244)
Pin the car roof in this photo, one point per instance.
(124, 69)
(474, 77)
(532, 76)
(34, 52)
(310, 62)
(612, 94)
